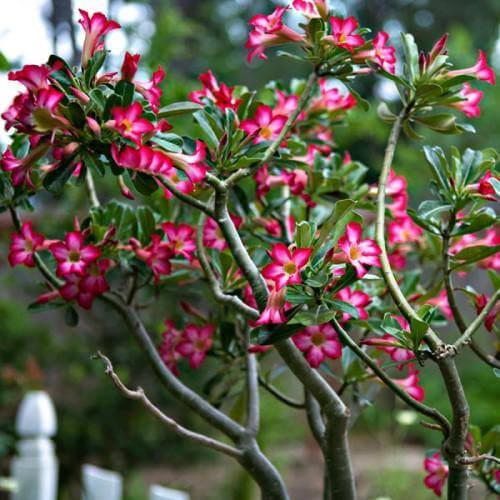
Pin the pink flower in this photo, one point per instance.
(181, 238)
(342, 33)
(318, 343)
(195, 342)
(470, 105)
(403, 230)
(219, 93)
(286, 266)
(312, 8)
(331, 99)
(19, 113)
(212, 235)
(156, 255)
(399, 205)
(274, 312)
(297, 181)
(480, 302)
(151, 91)
(129, 123)
(396, 185)
(381, 53)
(286, 105)
(33, 77)
(266, 181)
(24, 244)
(437, 473)
(357, 252)
(171, 336)
(129, 66)
(95, 28)
(485, 188)
(357, 299)
(264, 125)
(145, 159)
(72, 255)
(441, 301)
(480, 70)
(410, 384)
(268, 31)
(94, 281)
(73, 290)
(193, 165)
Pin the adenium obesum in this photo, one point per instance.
(342, 282)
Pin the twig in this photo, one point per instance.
(478, 458)
(205, 208)
(420, 407)
(139, 395)
(252, 387)
(91, 189)
(215, 286)
(280, 396)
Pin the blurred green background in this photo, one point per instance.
(37, 350)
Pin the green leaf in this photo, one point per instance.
(345, 307)
(385, 113)
(55, 180)
(443, 123)
(410, 56)
(268, 335)
(491, 440)
(437, 160)
(304, 233)
(476, 222)
(178, 108)
(93, 66)
(146, 224)
(210, 136)
(167, 145)
(126, 90)
(418, 330)
(476, 253)
(4, 63)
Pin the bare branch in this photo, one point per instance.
(280, 396)
(478, 458)
(194, 202)
(253, 400)
(91, 189)
(139, 395)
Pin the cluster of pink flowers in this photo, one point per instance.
(318, 343)
(80, 266)
(192, 343)
(159, 253)
(217, 92)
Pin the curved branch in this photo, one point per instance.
(139, 395)
(420, 407)
(479, 458)
(215, 286)
(203, 207)
(280, 396)
(91, 189)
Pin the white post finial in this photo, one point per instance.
(157, 492)
(35, 467)
(101, 483)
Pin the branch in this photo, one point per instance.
(183, 393)
(253, 400)
(397, 295)
(314, 418)
(215, 286)
(271, 150)
(420, 407)
(139, 395)
(478, 458)
(464, 339)
(280, 396)
(203, 207)
(91, 189)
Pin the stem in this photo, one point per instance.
(189, 200)
(215, 286)
(271, 150)
(280, 396)
(253, 400)
(139, 395)
(420, 407)
(91, 190)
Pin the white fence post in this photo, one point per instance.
(101, 484)
(35, 468)
(161, 493)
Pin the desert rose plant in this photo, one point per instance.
(310, 268)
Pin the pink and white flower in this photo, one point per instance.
(331, 99)
(212, 234)
(24, 244)
(268, 31)
(480, 70)
(33, 77)
(360, 300)
(195, 342)
(219, 93)
(156, 255)
(286, 266)
(403, 230)
(471, 99)
(128, 122)
(381, 53)
(193, 165)
(312, 9)
(181, 238)
(410, 384)
(318, 343)
(343, 33)
(95, 28)
(265, 125)
(357, 252)
(72, 255)
(437, 473)
(274, 312)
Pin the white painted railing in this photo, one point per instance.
(34, 469)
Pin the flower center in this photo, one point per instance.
(266, 132)
(127, 124)
(354, 253)
(74, 256)
(199, 345)
(179, 245)
(290, 268)
(318, 339)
